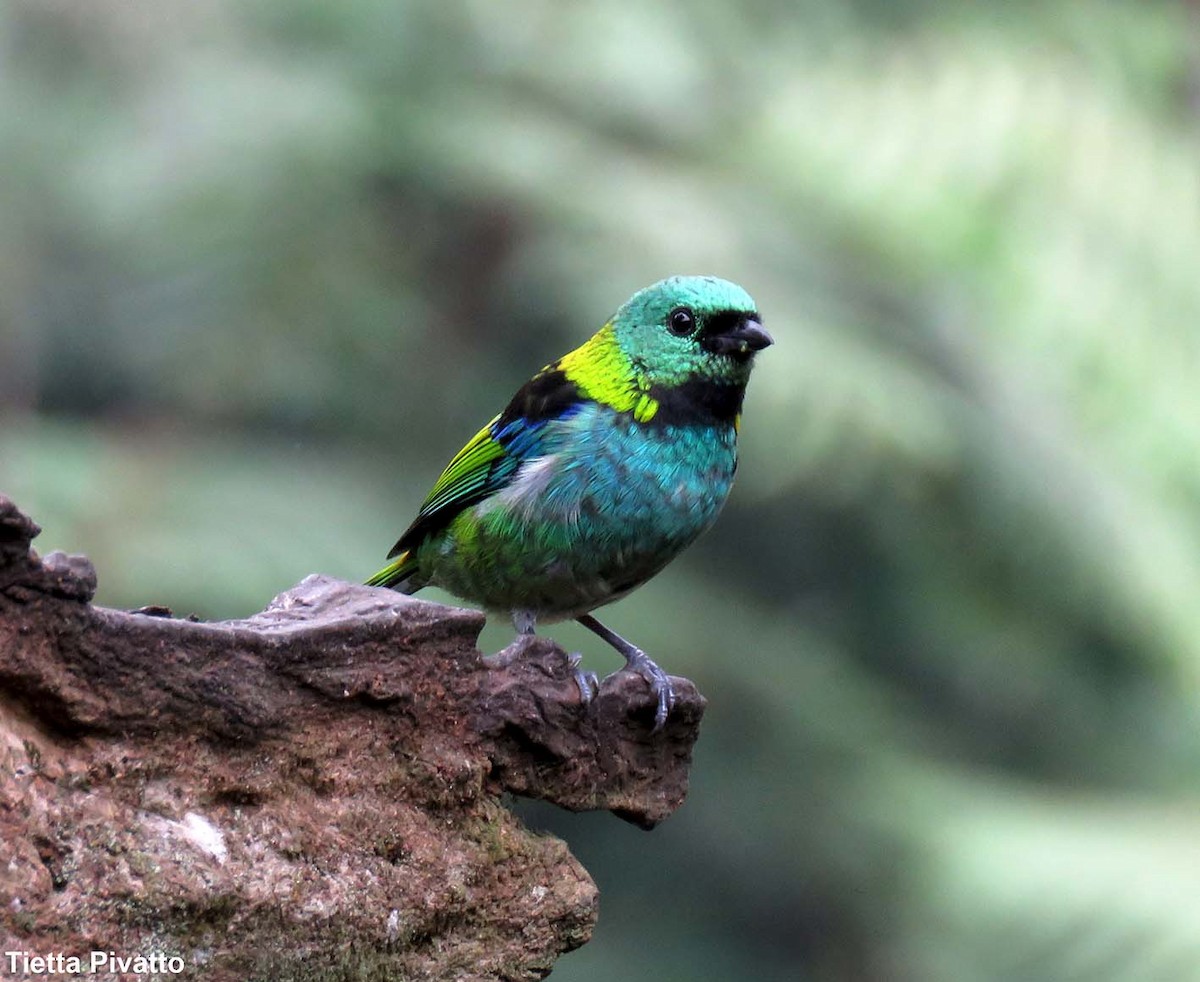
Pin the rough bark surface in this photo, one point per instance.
(312, 793)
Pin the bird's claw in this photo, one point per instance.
(509, 653)
(587, 680)
(659, 682)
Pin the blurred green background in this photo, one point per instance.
(264, 267)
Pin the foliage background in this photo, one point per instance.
(263, 267)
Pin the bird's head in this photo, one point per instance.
(687, 328)
(676, 351)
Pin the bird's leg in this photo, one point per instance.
(524, 622)
(587, 681)
(638, 661)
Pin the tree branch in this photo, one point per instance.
(321, 778)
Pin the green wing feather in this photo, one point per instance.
(475, 472)
(486, 464)
(464, 475)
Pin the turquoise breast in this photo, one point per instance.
(608, 505)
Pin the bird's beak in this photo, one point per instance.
(751, 336)
(744, 339)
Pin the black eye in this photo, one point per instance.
(682, 322)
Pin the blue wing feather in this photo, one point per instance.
(491, 458)
(484, 466)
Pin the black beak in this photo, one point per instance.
(741, 340)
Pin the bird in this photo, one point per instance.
(601, 469)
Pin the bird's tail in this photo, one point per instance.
(399, 569)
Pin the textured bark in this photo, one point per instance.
(312, 793)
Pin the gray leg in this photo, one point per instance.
(524, 621)
(638, 661)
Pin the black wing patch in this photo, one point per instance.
(548, 395)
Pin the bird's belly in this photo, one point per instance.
(588, 526)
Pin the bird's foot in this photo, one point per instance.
(509, 653)
(638, 661)
(587, 680)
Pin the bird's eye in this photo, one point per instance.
(682, 322)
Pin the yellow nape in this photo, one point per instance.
(603, 373)
(645, 408)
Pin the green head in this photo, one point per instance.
(684, 345)
(690, 327)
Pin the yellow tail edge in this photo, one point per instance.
(395, 571)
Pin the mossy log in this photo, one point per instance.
(311, 793)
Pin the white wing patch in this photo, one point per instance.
(528, 494)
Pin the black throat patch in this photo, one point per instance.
(698, 402)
